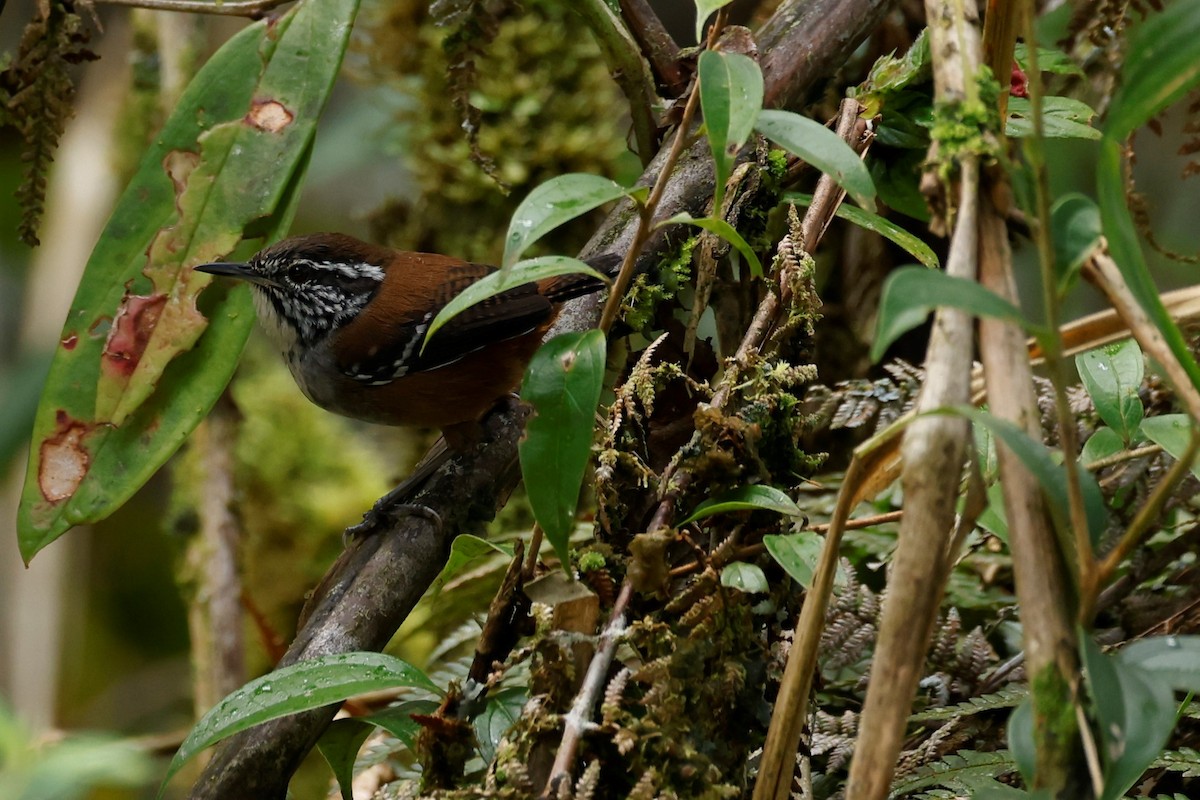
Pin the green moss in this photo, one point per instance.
(539, 83)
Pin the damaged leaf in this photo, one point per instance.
(134, 375)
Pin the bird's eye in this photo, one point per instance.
(302, 273)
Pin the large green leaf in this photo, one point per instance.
(720, 227)
(133, 375)
(1174, 659)
(1037, 458)
(527, 271)
(1135, 712)
(552, 203)
(731, 95)
(910, 293)
(563, 385)
(877, 224)
(704, 10)
(300, 687)
(746, 498)
(1171, 432)
(822, 148)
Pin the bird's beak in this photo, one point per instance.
(239, 271)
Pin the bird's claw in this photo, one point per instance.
(383, 514)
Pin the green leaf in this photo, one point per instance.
(1105, 442)
(797, 553)
(1135, 712)
(748, 578)
(563, 385)
(1112, 375)
(466, 550)
(720, 227)
(552, 203)
(124, 391)
(1035, 456)
(704, 10)
(822, 148)
(877, 224)
(747, 498)
(1020, 739)
(1049, 60)
(911, 293)
(339, 745)
(304, 686)
(1076, 230)
(398, 719)
(1171, 432)
(1174, 659)
(731, 95)
(528, 271)
(1062, 118)
(502, 712)
(1161, 64)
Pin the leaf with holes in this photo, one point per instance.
(133, 375)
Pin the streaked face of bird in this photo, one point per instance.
(307, 287)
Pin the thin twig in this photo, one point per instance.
(253, 9)
(585, 701)
(1122, 457)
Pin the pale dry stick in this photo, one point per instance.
(934, 447)
(1043, 585)
(777, 764)
(933, 453)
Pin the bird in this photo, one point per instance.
(350, 319)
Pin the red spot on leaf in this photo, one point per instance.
(69, 341)
(130, 332)
(64, 460)
(270, 116)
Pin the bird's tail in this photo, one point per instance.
(567, 287)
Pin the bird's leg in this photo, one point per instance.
(392, 505)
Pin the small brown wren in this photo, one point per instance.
(350, 319)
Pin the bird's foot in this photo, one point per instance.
(383, 514)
